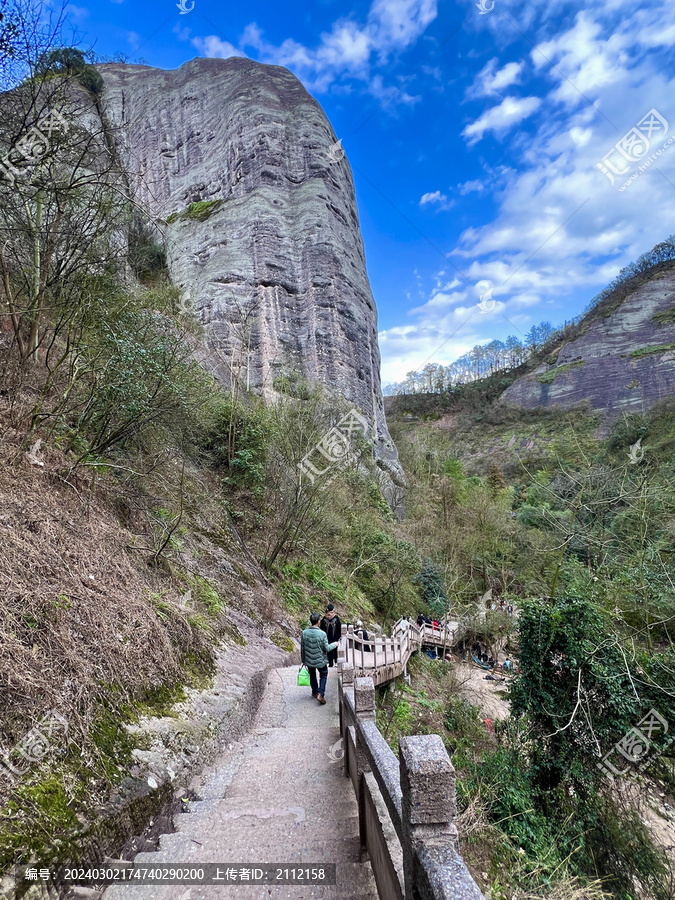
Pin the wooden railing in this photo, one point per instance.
(385, 657)
(407, 806)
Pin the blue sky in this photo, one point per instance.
(474, 137)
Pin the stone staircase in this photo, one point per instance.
(278, 796)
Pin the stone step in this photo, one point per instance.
(234, 808)
(269, 892)
(249, 892)
(276, 796)
(280, 833)
(305, 847)
(339, 794)
(333, 785)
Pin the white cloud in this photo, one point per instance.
(398, 23)
(584, 60)
(349, 50)
(377, 88)
(489, 82)
(435, 198)
(215, 48)
(469, 187)
(183, 32)
(502, 117)
(445, 338)
(78, 13)
(407, 348)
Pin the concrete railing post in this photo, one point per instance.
(347, 684)
(350, 635)
(428, 800)
(364, 707)
(340, 666)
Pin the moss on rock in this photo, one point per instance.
(283, 641)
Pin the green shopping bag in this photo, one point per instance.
(303, 677)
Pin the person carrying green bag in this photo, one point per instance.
(314, 650)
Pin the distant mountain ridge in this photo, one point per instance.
(619, 357)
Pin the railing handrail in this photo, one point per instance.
(382, 761)
(401, 644)
(418, 791)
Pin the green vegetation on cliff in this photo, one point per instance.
(577, 531)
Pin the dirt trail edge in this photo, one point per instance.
(278, 796)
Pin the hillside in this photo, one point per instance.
(162, 544)
(616, 357)
(482, 432)
(619, 358)
(572, 524)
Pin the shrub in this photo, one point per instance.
(652, 350)
(560, 643)
(202, 210)
(431, 583)
(139, 376)
(70, 61)
(238, 440)
(452, 467)
(146, 258)
(199, 211)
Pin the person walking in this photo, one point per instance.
(314, 650)
(361, 632)
(332, 626)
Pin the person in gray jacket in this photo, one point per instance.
(314, 650)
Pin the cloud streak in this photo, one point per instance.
(500, 119)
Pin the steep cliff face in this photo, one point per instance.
(623, 357)
(262, 228)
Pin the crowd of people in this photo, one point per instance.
(425, 620)
(503, 606)
(319, 645)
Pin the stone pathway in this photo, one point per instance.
(278, 796)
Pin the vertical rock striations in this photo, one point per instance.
(262, 225)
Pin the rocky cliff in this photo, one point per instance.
(621, 357)
(262, 231)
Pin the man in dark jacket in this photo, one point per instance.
(314, 650)
(332, 625)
